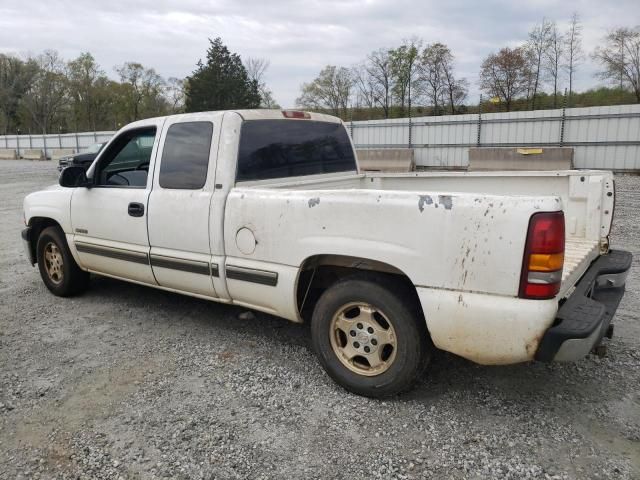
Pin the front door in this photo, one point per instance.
(109, 219)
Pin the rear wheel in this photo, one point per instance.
(58, 269)
(370, 339)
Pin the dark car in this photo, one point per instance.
(84, 159)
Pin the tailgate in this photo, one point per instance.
(578, 255)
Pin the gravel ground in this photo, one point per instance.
(131, 382)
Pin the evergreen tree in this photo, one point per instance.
(221, 83)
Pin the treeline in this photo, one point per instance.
(422, 77)
(46, 94)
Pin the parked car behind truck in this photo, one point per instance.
(267, 209)
(83, 159)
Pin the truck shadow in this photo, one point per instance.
(448, 375)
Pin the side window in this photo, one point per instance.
(126, 163)
(185, 157)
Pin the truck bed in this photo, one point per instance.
(586, 198)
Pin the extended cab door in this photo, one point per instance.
(180, 201)
(109, 220)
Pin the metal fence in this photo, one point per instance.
(602, 137)
(76, 141)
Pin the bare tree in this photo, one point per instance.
(554, 58)
(439, 83)
(538, 46)
(379, 69)
(431, 73)
(620, 58)
(365, 85)
(174, 93)
(46, 98)
(331, 90)
(256, 70)
(573, 48)
(143, 89)
(503, 75)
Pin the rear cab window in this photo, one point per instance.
(292, 148)
(185, 156)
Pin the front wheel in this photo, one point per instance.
(370, 339)
(58, 269)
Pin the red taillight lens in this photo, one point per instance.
(543, 256)
(296, 114)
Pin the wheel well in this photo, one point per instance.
(319, 272)
(38, 224)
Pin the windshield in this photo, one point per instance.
(291, 148)
(95, 148)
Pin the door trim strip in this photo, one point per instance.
(173, 263)
(263, 277)
(112, 252)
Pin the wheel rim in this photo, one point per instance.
(53, 262)
(363, 339)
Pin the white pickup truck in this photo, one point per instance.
(267, 209)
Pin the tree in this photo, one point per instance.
(256, 69)
(174, 93)
(620, 59)
(45, 99)
(16, 78)
(431, 71)
(573, 48)
(554, 58)
(380, 73)
(143, 89)
(404, 63)
(503, 75)
(221, 83)
(538, 46)
(331, 90)
(440, 85)
(86, 82)
(365, 86)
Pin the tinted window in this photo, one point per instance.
(185, 158)
(289, 148)
(126, 163)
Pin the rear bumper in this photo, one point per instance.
(585, 316)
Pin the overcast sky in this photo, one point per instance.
(298, 37)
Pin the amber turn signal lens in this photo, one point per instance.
(545, 262)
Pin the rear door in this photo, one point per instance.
(109, 220)
(179, 204)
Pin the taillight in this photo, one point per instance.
(296, 114)
(543, 256)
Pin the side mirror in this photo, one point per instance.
(73, 177)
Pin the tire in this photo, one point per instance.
(397, 355)
(58, 269)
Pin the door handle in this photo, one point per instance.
(136, 209)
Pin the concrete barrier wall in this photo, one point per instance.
(33, 154)
(501, 158)
(602, 137)
(8, 154)
(386, 159)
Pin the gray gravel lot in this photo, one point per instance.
(131, 382)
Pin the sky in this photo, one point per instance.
(298, 37)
